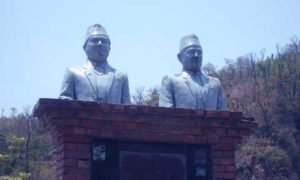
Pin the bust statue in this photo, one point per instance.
(96, 80)
(191, 88)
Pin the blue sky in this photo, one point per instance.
(39, 39)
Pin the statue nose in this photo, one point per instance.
(99, 43)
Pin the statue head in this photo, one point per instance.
(97, 43)
(190, 53)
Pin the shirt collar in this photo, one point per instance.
(97, 66)
(191, 73)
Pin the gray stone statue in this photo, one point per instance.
(96, 80)
(191, 88)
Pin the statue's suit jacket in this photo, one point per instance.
(181, 90)
(87, 84)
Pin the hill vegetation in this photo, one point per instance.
(266, 88)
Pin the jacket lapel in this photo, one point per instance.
(92, 77)
(110, 80)
(195, 89)
(188, 82)
(89, 73)
(204, 79)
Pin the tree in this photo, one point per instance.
(28, 149)
(152, 97)
(139, 96)
(267, 89)
(148, 97)
(12, 162)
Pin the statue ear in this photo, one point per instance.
(179, 56)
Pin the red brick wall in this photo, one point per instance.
(73, 124)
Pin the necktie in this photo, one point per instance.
(197, 78)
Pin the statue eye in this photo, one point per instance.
(194, 51)
(105, 41)
(94, 41)
(191, 52)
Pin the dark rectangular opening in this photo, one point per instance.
(119, 160)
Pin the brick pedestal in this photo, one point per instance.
(73, 125)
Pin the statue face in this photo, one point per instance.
(191, 58)
(97, 48)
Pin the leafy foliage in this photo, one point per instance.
(148, 97)
(266, 88)
(25, 149)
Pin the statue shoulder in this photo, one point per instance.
(178, 74)
(112, 69)
(212, 80)
(171, 78)
(75, 69)
(166, 82)
(120, 74)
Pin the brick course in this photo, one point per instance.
(74, 123)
